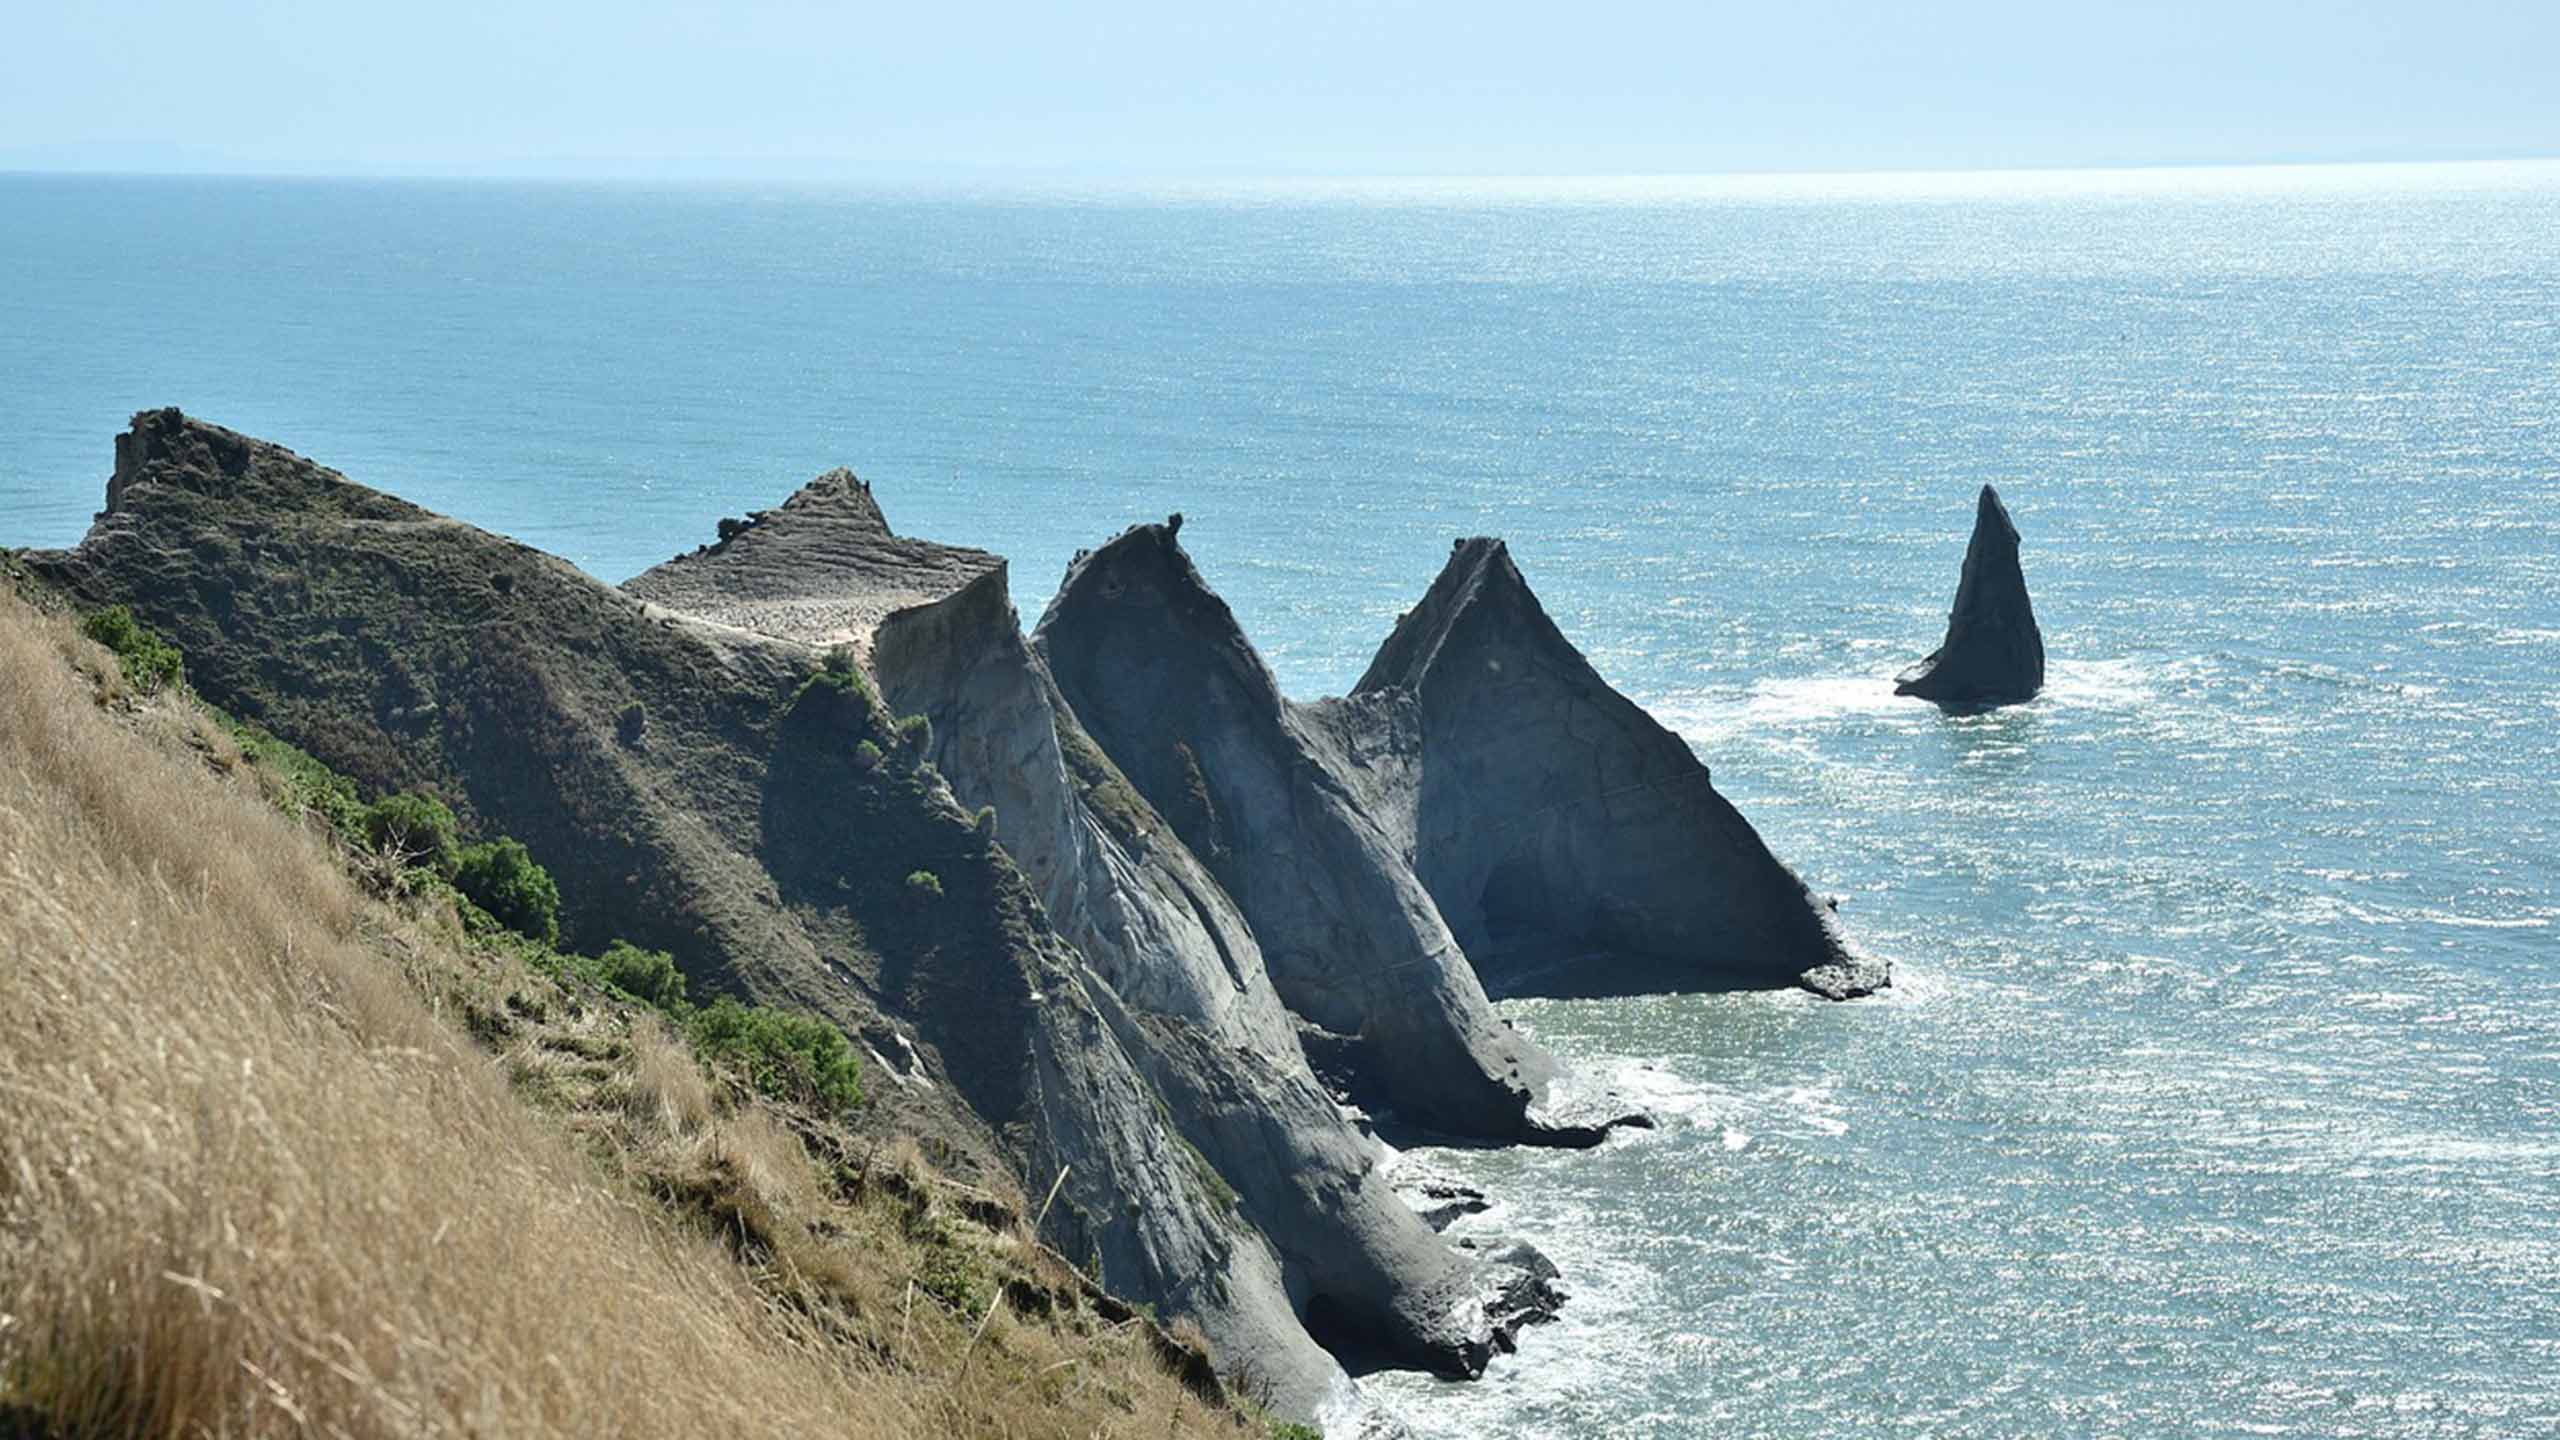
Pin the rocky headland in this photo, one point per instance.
(1107, 910)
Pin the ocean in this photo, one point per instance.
(2219, 1091)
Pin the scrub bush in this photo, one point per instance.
(502, 878)
(785, 1055)
(150, 664)
(417, 831)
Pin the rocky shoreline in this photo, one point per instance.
(1185, 936)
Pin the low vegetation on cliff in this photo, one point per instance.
(291, 1151)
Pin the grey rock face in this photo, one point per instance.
(1528, 1293)
(1189, 994)
(1993, 654)
(1302, 813)
(1574, 845)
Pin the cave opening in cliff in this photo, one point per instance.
(1354, 1341)
(1514, 901)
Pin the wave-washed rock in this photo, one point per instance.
(1573, 844)
(1993, 654)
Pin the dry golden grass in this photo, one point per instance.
(251, 1185)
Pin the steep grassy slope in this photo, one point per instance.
(259, 1175)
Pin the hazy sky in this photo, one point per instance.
(1187, 87)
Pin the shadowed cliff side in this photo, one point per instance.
(1993, 654)
(693, 787)
(1201, 1014)
(1574, 844)
(1290, 808)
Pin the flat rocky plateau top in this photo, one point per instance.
(823, 568)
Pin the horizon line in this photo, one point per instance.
(680, 172)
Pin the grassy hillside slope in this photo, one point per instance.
(280, 1156)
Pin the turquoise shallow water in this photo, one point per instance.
(2221, 1094)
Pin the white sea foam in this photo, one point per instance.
(1773, 710)
(2121, 684)
(1665, 1094)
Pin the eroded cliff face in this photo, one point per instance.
(739, 825)
(1294, 810)
(1993, 653)
(1574, 845)
(1197, 1006)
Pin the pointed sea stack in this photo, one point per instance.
(1993, 654)
(1574, 844)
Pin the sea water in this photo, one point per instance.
(2219, 1091)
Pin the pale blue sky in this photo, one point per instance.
(1192, 87)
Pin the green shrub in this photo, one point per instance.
(1292, 1430)
(924, 882)
(649, 975)
(415, 829)
(868, 754)
(916, 733)
(150, 664)
(304, 786)
(834, 707)
(784, 1054)
(985, 822)
(502, 878)
(830, 685)
(950, 1274)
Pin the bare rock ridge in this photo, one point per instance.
(823, 568)
(742, 831)
(1292, 809)
(1993, 654)
(1573, 844)
(1198, 1006)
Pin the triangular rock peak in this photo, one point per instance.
(1299, 812)
(1993, 653)
(1575, 845)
